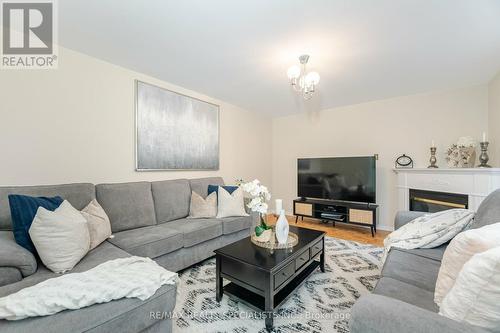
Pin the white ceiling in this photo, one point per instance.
(239, 51)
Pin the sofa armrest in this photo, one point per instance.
(403, 217)
(15, 256)
(381, 314)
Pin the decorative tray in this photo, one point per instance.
(293, 240)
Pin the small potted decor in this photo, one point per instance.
(462, 154)
(259, 195)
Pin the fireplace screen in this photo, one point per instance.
(431, 202)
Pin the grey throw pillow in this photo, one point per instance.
(202, 208)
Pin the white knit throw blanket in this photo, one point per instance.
(429, 231)
(127, 277)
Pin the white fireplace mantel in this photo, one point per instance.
(477, 183)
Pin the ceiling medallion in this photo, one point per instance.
(302, 81)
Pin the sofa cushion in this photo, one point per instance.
(15, 256)
(104, 252)
(202, 208)
(61, 237)
(128, 205)
(412, 269)
(230, 205)
(407, 293)
(461, 249)
(9, 275)
(151, 242)
(188, 256)
(23, 210)
(234, 224)
(200, 185)
(171, 199)
(405, 217)
(215, 188)
(474, 296)
(78, 195)
(436, 253)
(98, 223)
(488, 211)
(125, 315)
(196, 231)
(381, 314)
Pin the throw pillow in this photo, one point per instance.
(230, 204)
(202, 208)
(61, 237)
(215, 188)
(459, 251)
(97, 222)
(23, 209)
(474, 296)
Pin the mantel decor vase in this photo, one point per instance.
(282, 228)
(461, 157)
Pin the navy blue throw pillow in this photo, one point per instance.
(215, 188)
(23, 210)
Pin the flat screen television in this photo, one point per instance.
(337, 178)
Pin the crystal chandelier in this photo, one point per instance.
(302, 81)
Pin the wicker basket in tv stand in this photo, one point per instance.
(362, 214)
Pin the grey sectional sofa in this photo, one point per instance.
(403, 300)
(147, 219)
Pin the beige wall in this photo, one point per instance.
(494, 120)
(76, 124)
(388, 128)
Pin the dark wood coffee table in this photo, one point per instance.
(264, 279)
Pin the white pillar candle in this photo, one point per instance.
(433, 144)
(278, 206)
(484, 137)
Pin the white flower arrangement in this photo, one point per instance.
(462, 154)
(466, 142)
(259, 194)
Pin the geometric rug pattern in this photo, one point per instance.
(321, 304)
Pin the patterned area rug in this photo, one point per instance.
(321, 304)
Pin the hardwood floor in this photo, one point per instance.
(343, 231)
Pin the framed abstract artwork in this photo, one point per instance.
(174, 131)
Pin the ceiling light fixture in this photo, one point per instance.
(302, 81)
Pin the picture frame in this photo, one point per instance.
(174, 131)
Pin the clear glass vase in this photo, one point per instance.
(263, 219)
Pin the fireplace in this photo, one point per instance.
(473, 185)
(431, 202)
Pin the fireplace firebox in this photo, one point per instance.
(431, 202)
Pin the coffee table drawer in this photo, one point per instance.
(301, 260)
(316, 248)
(283, 275)
(239, 271)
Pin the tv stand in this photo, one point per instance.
(362, 214)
